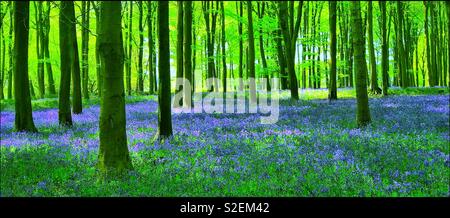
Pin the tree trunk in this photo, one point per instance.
(251, 53)
(384, 49)
(23, 109)
(66, 55)
(362, 100)
(113, 152)
(51, 81)
(180, 54)
(261, 45)
(10, 52)
(76, 88)
(289, 49)
(85, 8)
(332, 88)
(140, 79)
(151, 78)
(373, 64)
(164, 98)
(130, 49)
(39, 48)
(224, 61)
(241, 49)
(187, 54)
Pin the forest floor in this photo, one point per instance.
(313, 150)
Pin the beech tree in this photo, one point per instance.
(113, 152)
(23, 116)
(362, 100)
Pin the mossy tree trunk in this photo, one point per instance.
(23, 115)
(65, 46)
(140, 77)
(46, 37)
(113, 154)
(360, 67)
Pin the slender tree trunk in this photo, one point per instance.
(39, 48)
(97, 52)
(164, 109)
(384, 49)
(187, 54)
(241, 49)
(10, 52)
(373, 64)
(76, 88)
(140, 79)
(289, 49)
(281, 59)
(23, 115)
(85, 6)
(363, 112)
(332, 88)
(251, 53)
(150, 48)
(51, 81)
(261, 45)
(113, 153)
(130, 49)
(66, 55)
(224, 61)
(180, 54)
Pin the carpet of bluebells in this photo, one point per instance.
(313, 150)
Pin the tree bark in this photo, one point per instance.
(113, 152)
(164, 98)
(85, 8)
(23, 109)
(362, 100)
(373, 64)
(384, 49)
(66, 56)
(332, 88)
(289, 49)
(187, 54)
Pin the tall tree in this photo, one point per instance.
(373, 64)
(85, 9)
(261, 8)
(113, 153)
(384, 48)
(332, 89)
(251, 53)
(66, 56)
(10, 52)
(210, 14)
(362, 100)
(224, 61)
(187, 54)
(150, 47)
(39, 48)
(290, 38)
(241, 46)
(75, 62)
(23, 115)
(140, 78)
(430, 66)
(129, 52)
(180, 54)
(164, 108)
(448, 39)
(46, 37)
